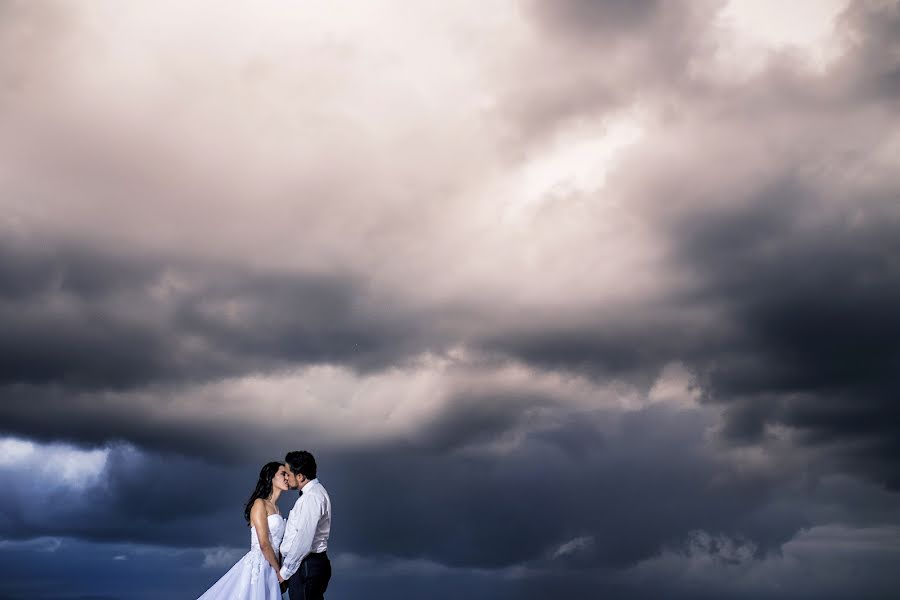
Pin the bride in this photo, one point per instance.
(255, 576)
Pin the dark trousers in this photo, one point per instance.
(311, 579)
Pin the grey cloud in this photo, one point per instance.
(783, 219)
(871, 69)
(473, 418)
(91, 419)
(84, 318)
(606, 493)
(637, 483)
(807, 293)
(608, 488)
(89, 567)
(717, 563)
(597, 17)
(603, 56)
(633, 347)
(139, 497)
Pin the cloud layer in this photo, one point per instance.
(571, 295)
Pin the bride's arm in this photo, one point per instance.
(260, 521)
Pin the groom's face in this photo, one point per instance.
(291, 477)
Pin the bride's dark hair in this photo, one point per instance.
(263, 486)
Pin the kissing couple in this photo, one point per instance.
(285, 555)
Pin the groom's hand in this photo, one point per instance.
(283, 584)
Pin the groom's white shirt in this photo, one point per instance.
(307, 527)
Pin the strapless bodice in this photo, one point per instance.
(276, 532)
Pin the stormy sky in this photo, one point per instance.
(582, 298)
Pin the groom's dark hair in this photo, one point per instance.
(301, 461)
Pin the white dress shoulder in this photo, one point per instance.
(252, 578)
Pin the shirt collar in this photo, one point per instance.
(312, 483)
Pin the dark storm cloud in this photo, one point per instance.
(813, 336)
(793, 267)
(635, 348)
(473, 418)
(83, 318)
(613, 489)
(801, 265)
(139, 497)
(107, 571)
(302, 319)
(91, 419)
(59, 326)
(599, 478)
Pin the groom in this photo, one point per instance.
(305, 568)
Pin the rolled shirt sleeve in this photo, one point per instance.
(303, 519)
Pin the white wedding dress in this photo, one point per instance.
(252, 578)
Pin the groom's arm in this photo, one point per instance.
(304, 518)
